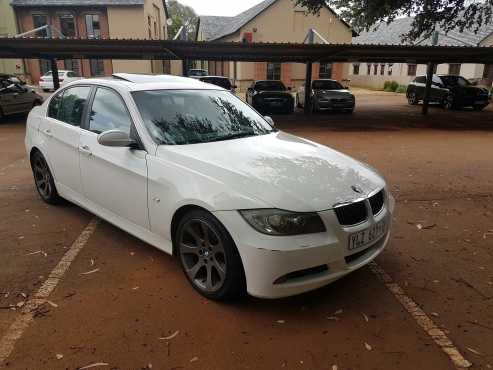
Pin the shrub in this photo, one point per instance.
(386, 85)
(401, 89)
(394, 85)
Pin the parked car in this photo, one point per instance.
(194, 171)
(220, 81)
(270, 96)
(46, 81)
(327, 95)
(12, 78)
(16, 98)
(197, 72)
(451, 91)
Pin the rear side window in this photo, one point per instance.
(72, 105)
(54, 106)
(420, 80)
(108, 112)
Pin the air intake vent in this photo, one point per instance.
(351, 214)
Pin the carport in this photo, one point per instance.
(55, 48)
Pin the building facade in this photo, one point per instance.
(8, 28)
(93, 19)
(274, 21)
(374, 75)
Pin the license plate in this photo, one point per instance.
(368, 236)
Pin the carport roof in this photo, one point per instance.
(277, 52)
(75, 2)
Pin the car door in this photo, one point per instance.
(61, 131)
(438, 89)
(114, 179)
(13, 99)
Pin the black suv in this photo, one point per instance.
(270, 96)
(452, 92)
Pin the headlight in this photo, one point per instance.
(278, 222)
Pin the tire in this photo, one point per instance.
(1, 115)
(43, 179)
(209, 257)
(448, 102)
(412, 98)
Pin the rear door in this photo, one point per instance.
(114, 179)
(61, 132)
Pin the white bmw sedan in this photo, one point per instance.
(192, 170)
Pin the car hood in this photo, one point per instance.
(279, 169)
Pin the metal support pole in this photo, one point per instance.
(308, 88)
(185, 67)
(429, 79)
(54, 74)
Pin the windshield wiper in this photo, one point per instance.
(233, 136)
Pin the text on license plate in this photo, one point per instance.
(368, 236)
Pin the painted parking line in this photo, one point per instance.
(421, 318)
(21, 323)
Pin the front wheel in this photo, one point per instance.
(43, 179)
(209, 257)
(412, 98)
(448, 102)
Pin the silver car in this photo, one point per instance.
(327, 95)
(16, 98)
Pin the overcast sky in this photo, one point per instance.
(219, 7)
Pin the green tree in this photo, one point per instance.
(447, 14)
(181, 15)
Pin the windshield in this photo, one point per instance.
(453, 81)
(326, 85)
(178, 117)
(222, 82)
(270, 86)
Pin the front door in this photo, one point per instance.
(114, 179)
(14, 99)
(60, 130)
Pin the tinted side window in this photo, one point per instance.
(72, 105)
(421, 80)
(108, 112)
(54, 106)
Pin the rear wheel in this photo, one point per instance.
(448, 102)
(45, 185)
(412, 98)
(209, 256)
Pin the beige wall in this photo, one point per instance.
(132, 22)
(487, 41)
(8, 27)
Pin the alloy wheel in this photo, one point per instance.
(449, 102)
(203, 256)
(412, 98)
(42, 177)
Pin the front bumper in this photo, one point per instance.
(321, 258)
(322, 103)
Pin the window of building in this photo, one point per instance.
(67, 25)
(97, 67)
(375, 69)
(40, 20)
(382, 69)
(72, 65)
(368, 69)
(355, 69)
(72, 105)
(273, 71)
(108, 112)
(325, 70)
(93, 26)
(44, 66)
(454, 69)
(411, 69)
(389, 70)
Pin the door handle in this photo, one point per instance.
(48, 132)
(86, 150)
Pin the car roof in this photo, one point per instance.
(213, 77)
(140, 82)
(325, 79)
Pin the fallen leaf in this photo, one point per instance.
(135, 288)
(435, 314)
(92, 262)
(280, 321)
(368, 347)
(436, 281)
(365, 317)
(93, 365)
(20, 304)
(32, 253)
(333, 318)
(170, 336)
(24, 295)
(59, 356)
(89, 272)
(474, 351)
(335, 367)
(419, 226)
(149, 366)
(338, 312)
(52, 304)
(194, 359)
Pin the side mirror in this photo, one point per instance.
(270, 121)
(116, 138)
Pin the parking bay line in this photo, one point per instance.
(427, 324)
(21, 323)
